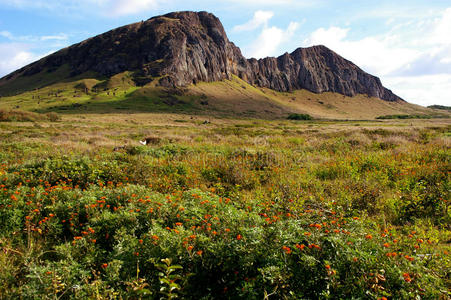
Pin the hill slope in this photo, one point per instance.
(182, 48)
(184, 62)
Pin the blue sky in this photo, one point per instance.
(405, 43)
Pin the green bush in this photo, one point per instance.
(299, 117)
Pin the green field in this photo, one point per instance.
(222, 208)
(88, 94)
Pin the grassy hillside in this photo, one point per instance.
(233, 209)
(227, 98)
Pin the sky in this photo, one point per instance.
(407, 44)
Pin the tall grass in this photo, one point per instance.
(236, 209)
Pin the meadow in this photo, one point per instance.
(224, 208)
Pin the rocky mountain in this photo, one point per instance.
(183, 48)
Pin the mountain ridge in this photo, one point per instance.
(183, 48)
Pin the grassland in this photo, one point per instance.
(230, 98)
(230, 208)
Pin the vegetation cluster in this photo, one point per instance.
(230, 209)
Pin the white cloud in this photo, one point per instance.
(23, 50)
(33, 39)
(6, 34)
(129, 7)
(58, 37)
(15, 56)
(260, 18)
(424, 90)
(374, 54)
(109, 8)
(270, 40)
(413, 58)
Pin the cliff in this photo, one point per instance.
(182, 48)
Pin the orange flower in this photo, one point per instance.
(239, 237)
(409, 258)
(104, 265)
(327, 267)
(386, 245)
(368, 236)
(286, 249)
(406, 277)
(190, 248)
(199, 252)
(140, 241)
(300, 247)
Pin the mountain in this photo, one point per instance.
(184, 48)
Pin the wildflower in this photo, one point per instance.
(300, 247)
(199, 252)
(368, 236)
(386, 245)
(286, 249)
(239, 237)
(104, 265)
(409, 258)
(406, 277)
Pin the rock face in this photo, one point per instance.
(183, 48)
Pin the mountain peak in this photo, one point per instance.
(182, 48)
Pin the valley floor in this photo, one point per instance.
(224, 208)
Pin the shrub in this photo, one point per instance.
(299, 117)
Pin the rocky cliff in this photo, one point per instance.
(183, 48)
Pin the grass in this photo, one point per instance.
(26, 116)
(232, 208)
(388, 117)
(442, 107)
(87, 93)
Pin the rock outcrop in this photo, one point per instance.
(183, 48)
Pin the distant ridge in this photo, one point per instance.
(184, 48)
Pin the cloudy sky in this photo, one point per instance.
(407, 43)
